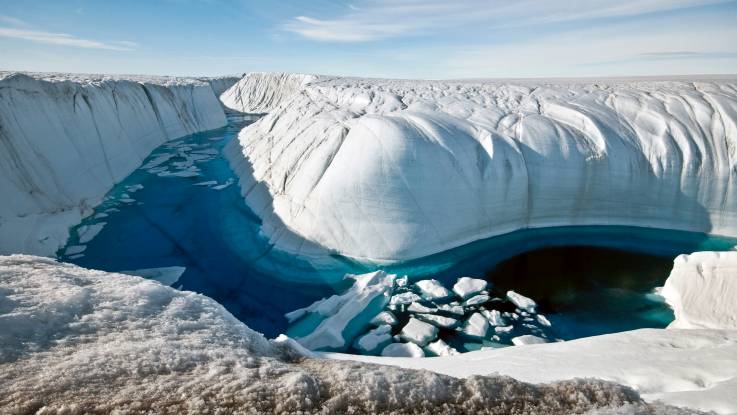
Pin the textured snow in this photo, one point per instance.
(387, 170)
(67, 139)
(702, 290)
(76, 341)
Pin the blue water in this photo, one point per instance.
(184, 220)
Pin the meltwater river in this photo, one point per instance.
(183, 208)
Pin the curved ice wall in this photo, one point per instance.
(259, 92)
(386, 170)
(66, 140)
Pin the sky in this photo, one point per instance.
(430, 39)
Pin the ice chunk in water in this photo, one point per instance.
(375, 340)
(476, 326)
(528, 339)
(522, 302)
(164, 275)
(432, 290)
(419, 332)
(402, 350)
(466, 286)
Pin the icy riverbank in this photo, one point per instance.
(74, 340)
(387, 170)
(67, 139)
(80, 340)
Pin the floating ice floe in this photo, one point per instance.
(528, 339)
(342, 317)
(419, 332)
(439, 321)
(466, 286)
(375, 340)
(522, 302)
(439, 348)
(74, 249)
(432, 290)
(165, 275)
(86, 233)
(402, 350)
(385, 317)
(476, 326)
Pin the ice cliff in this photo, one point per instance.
(386, 170)
(74, 341)
(65, 140)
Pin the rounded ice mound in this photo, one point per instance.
(384, 171)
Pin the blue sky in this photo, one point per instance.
(380, 38)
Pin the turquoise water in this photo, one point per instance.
(184, 208)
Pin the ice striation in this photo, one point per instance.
(390, 170)
(65, 140)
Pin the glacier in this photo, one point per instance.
(66, 139)
(382, 171)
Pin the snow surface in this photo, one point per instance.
(67, 139)
(702, 290)
(76, 341)
(389, 170)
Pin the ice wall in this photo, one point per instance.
(259, 92)
(702, 290)
(66, 140)
(383, 170)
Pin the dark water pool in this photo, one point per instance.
(183, 208)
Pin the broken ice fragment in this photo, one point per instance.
(432, 290)
(528, 339)
(419, 332)
(522, 302)
(466, 286)
(402, 350)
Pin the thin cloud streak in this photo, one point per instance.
(64, 39)
(368, 21)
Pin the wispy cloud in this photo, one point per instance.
(380, 19)
(11, 27)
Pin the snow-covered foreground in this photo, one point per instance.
(79, 341)
(67, 139)
(387, 170)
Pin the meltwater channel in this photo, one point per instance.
(183, 208)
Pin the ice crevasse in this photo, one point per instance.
(65, 140)
(390, 170)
